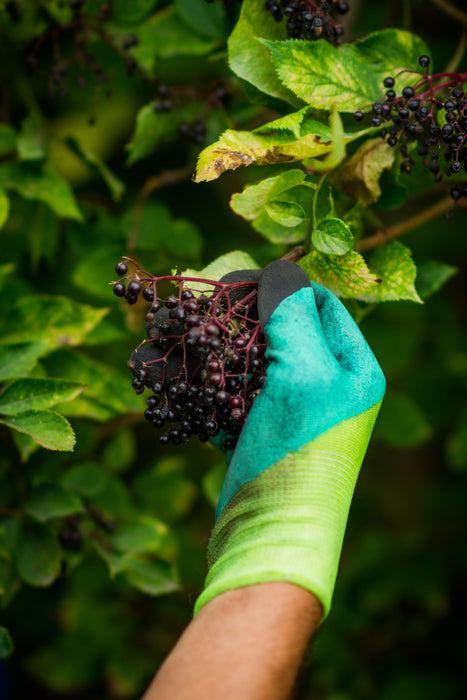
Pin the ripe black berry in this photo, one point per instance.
(424, 61)
(119, 289)
(121, 268)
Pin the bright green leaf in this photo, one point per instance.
(35, 394)
(249, 203)
(235, 260)
(332, 236)
(47, 428)
(288, 214)
(277, 232)
(394, 267)
(151, 577)
(58, 320)
(249, 59)
(359, 176)
(4, 207)
(347, 275)
(6, 643)
(32, 139)
(432, 275)
(37, 554)
(401, 422)
(32, 181)
(291, 122)
(144, 535)
(49, 501)
(115, 185)
(18, 360)
(337, 153)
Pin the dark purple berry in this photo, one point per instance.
(121, 268)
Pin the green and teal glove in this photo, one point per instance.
(284, 504)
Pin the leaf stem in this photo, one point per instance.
(385, 235)
(314, 203)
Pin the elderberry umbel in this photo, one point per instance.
(203, 361)
(427, 119)
(309, 19)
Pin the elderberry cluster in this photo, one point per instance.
(309, 19)
(203, 361)
(430, 114)
(65, 54)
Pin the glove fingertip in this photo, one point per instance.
(280, 279)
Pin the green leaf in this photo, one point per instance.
(401, 422)
(359, 176)
(144, 535)
(332, 236)
(213, 481)
(4, 207)
(115, 185)
(37, 554)
(347, 275)
(7, 139)
(28, 394)
(5, 271)
(96, 269)
(48, 429)
(337, 153)
(288, 214)
(49, 501)
(165, 35)
(154, 128)
(394, 266)
(432, 275)
(68, 322)
(324, 76)
(249, 203)
(291, 122)
(25, 445)
(108, 391)
(32, 181)
(249, 59)
(6, 643)
(207, 19)
(18, 360)
(32, 139)
(350, 76)
(151, 577)
(86, 479)
(235, 260)
(124, 13)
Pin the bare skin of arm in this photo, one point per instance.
(245, 644)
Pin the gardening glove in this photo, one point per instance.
(284, 504)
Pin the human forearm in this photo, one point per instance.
(245, 644)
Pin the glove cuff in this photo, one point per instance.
(288, 523)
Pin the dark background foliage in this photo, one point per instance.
(93, 612)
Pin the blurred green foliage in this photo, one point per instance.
(104, 109)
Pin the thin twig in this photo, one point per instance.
(384, 235)
(163, 179)
(448, 9)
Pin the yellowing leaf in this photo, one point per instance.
(395, 268)
(359, 177)
(347, 275)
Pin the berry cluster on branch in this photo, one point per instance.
(432, 115)
(309, 19)
(203, 360)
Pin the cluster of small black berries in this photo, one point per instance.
(414, 116)
(64, 52)
(309, 19)
(204, 359)
(194, 131)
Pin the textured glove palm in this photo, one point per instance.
(285, 500)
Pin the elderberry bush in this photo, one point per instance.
(203, 360)
(427, 119)
(309, 19)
